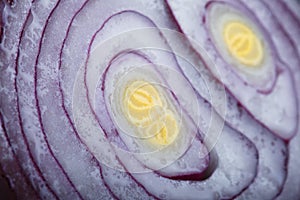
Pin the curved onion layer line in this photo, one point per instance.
(31, 157)
(286, 32)
(214, 187)
(282, 75)
(87, 94)
(42, 128)
(27, 188)
(22, 180)
(137, 52)
(180, 176)
(53, 169)
(40, 62)
(166, 182)
(129, 177)
(271, 167)
(63, 101)
(87, 27)
(101, 124)
(240, 119)
(46, 102)
(288, 23)
(174, 65)
(269, 86)
(280, 37)
(38, 105)
(293, 8)
(44, 41)
(111, 177)
(284, 79)
(106, 171)
(284, 35)
(273, 158)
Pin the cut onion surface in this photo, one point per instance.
(125, 99)
(230, 33)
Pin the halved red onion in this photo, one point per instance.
(46, 153)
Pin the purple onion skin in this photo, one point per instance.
(42, 154)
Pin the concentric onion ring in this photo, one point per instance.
(45, 153)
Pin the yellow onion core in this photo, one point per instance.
(144, 108)
(243, 44)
